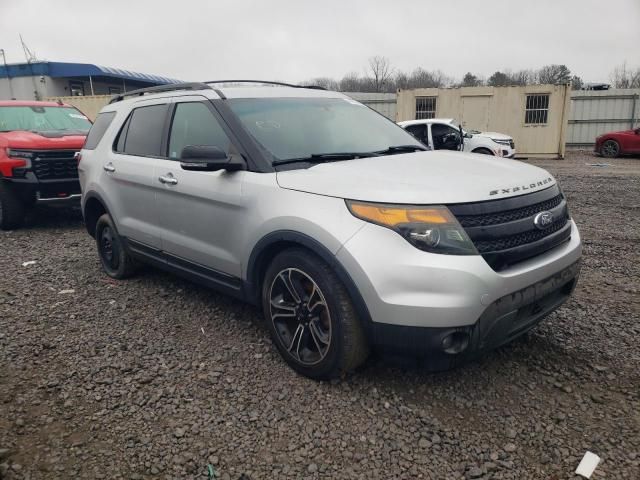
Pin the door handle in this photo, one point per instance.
(168, 179)
(109, 168)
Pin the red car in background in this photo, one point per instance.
(39, 143)
(618, 143)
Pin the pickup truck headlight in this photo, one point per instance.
(20, 155)
(432, 229)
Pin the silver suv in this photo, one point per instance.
(330, 217)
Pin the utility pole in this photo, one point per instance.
(31, 58)
(6, 69)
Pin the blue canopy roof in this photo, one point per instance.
(63, 70)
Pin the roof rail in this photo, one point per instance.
(266, 82)
(161, 88)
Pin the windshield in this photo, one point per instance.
(43, 119)
(292, 128)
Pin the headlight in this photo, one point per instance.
(502, 142)
(20, 155)
(432, 229)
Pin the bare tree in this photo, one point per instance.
(381, 72)
(420, 78)
(324, 82)
(554, 75)
(522, 77)
(350, 83)
(401, 80)
(621, 77)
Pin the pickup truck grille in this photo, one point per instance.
(54, 164)
(503, 231)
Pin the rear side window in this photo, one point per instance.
(97, 130)
(144, 135)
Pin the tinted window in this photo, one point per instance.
(122, 136)
(97, 130)
(420, 132)
(194, 124)
(144, 136)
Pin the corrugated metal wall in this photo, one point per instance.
(596, 112)
(384, 103)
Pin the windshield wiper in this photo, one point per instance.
(326, 157)
(401, 149)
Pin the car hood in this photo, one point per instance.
(419, 178)
(30, 140)
(494, 135)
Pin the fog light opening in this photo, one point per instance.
(456, 342)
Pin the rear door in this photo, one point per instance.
(201, 213)
(130, 172)
(420, 132)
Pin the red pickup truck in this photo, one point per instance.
(39, 144)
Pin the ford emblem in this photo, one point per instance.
(543, 220)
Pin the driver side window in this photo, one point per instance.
(194, 124)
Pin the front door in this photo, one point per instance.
(201, 213)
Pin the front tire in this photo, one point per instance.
(610, 149)
(310, 316)
(115, 260)
(12, 209)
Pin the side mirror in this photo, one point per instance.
(637, 131)
(207, 158)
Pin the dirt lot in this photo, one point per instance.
(157, 378)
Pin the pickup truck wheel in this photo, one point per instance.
(115, 260)
(483, 151)
(610, 149)
(310, 316)
(12, 210)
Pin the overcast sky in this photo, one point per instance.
(295, 40)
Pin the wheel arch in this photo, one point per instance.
(482, 150)
(93, 208)
(272, 244)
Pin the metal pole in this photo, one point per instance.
(4, 61)
(91, 85)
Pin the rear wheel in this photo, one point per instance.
(610, 149)
(12, 210)
(310, 316)
(115, 260)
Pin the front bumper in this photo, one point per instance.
(63, 192)
(415, 299)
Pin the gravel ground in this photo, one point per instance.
(158, 378)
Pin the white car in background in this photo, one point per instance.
(444, 134)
